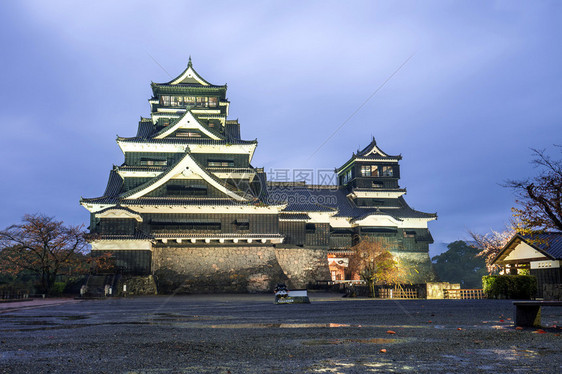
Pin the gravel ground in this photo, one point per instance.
(249, 334)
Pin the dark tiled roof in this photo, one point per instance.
(184, 201)
(363, 154)
(163, 130)
(99, 200)
(207, 115)
(217, 235)
(138, 235)
(145, 129)
(386, 203)
(118, 208)
(294, 216)
(186, 141)
(232, 131)
(366, 150)
(141, 168)
(165, 173)
(222, 183)
(303, 199)
(166, 201)
(378, 157)
(114, 184)
(379, 190)
(187, 85)
(550, 243)
(153, 180)
(230, 170)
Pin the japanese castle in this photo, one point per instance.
(187, 206)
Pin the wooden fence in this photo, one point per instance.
(397, 293)
(474, 293)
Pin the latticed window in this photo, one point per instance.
(202, 101)
(225, 163)
(179, 190)
(213, 101)
(346, 177)
(378, 231)
(165, 100)
(369, 170)
(188, 134)
(365, 170)
(387, 171)
(153, 162)
(242, 224)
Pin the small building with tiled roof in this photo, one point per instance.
(540, 254)
(187, 205)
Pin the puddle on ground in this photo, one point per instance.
(56, 326)
(495, 354)
(512, 354)
(276, 325)
(74, 318)
(171, 317)
(350, 341)
(36, 323)
(24, 354)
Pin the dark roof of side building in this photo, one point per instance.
(301, 198)
(548, 243)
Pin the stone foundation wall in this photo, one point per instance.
(303, 266)
(136, 285)
(417, 266)
(235, 269)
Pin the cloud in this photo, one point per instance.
(482, 87)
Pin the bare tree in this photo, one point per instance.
(540, 198)
(43, 246)
(373, 263)
(490, 245)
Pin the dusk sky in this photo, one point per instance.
(481, 86)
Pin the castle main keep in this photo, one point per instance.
(188, 206)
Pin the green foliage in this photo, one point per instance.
(509, 286)
(460, 264)
(57, 289)
(72, 284)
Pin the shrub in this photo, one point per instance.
(509, 286)
(58, 288)
(72, 285)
